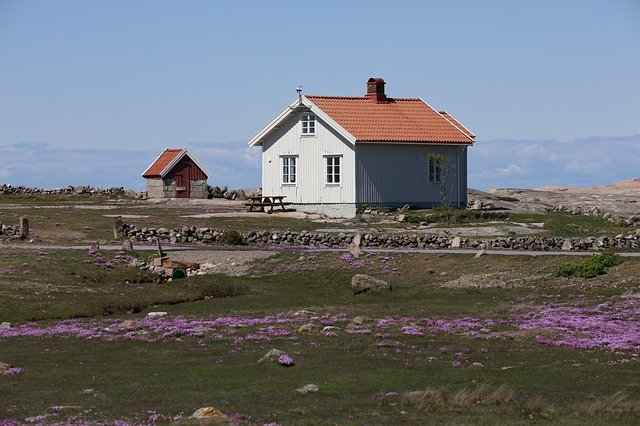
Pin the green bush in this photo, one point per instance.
(589, 268)
(449, 215)
(231, 237)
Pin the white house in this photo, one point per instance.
(332, 154)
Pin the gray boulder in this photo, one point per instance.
(271, 356)
(361, 283)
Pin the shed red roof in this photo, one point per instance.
(401, 120)
(161, 162)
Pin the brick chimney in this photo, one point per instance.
(375, 89)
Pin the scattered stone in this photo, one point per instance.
(360, 320)
(477, 205)
(332, 328)
(160, 271)
(126, 324)
(118, 227)
(156, 314)
(477, 365)
(5, 324)
(208, 413)
(566, 245)
(456, 242)
(303, 312)
(362, 283)
(310, 388)
(271, 356)
(401, 217)
(127, 246)
(479, 254)
(354, 245)
(4, 367)
(308, 328)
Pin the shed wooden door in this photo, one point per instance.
(182, 178)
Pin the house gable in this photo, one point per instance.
(167, 160)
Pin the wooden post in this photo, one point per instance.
(160, 253)
(24, 228)
(118, 227)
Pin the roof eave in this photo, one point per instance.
(179, 157)
(273, 124)
(470, 138)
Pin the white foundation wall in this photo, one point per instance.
(311, 168)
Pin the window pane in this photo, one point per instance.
(337, 179)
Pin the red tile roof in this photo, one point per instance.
(448, 116)
(161, 162)
(401, 120)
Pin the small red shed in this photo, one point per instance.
(176, 173)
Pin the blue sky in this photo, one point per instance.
(91, 91)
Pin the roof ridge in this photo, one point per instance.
(361, 98)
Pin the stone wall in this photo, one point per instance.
(630, 241)
(6, 189)
(199, 189)
(155, 188)
(170, 188)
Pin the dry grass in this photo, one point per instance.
(617, 404)
(465, 397)
(537, 406)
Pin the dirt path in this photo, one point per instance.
(237, 251)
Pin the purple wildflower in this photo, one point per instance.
(285, 360)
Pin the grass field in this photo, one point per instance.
(459, 340)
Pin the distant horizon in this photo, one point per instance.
(501, 163)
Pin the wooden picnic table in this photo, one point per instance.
(271, 201)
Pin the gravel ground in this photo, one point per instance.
(228, 262)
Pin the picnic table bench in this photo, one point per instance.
(271, 201)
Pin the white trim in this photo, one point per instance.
(295, 168)
(313, 109)
(340, 165)
(448, 121)
(175, 161)
(179, 157)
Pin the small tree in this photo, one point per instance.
(439, 174)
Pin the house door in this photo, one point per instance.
(183, 189)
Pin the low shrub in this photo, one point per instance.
(449, 215)
(592, 267)
(231, 237)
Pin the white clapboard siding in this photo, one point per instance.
(310, 153)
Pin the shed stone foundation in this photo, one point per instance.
(199, 189)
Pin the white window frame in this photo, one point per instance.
(434, 168)
(308, 125)
(289, 169)
(330, 169)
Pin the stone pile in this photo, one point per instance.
(406, 241)
(9, 232)
(6, 189)
(594, 211)
(233, 194)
